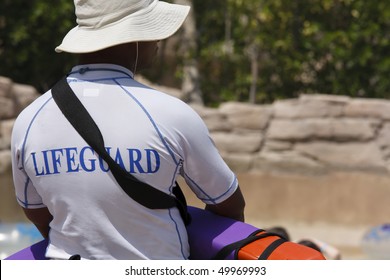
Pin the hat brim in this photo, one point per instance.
(159, 23)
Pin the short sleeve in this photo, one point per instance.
(204, 170)
(25, 192)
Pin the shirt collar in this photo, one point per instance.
(100, 70)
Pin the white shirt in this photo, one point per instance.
(154, 136)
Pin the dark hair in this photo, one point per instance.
(310, 244)
(281, 231)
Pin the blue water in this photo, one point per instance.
(376, 242)
(16, 236)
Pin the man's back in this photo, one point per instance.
(150, 134)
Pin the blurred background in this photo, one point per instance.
(294, 94)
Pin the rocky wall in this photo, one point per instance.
(316, 158)
(312, 134)
(14, 98)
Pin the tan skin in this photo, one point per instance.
(126, 56)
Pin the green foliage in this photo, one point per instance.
(309, 46)
(326, 46)
(29, 32)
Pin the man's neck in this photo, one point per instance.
(120, 55)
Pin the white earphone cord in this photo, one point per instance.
(136, 60)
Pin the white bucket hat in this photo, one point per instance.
(106, 23)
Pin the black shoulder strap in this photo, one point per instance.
(235, 246)
(139, 191)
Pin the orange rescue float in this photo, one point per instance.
(215, 237)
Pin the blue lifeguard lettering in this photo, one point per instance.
(70, 160)
(134, 159)
(156, 159)
(55, 155)
(37, 173)
(118, 159)
(82, 160)
(46, 160)
(73, 159)
(102, 164)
